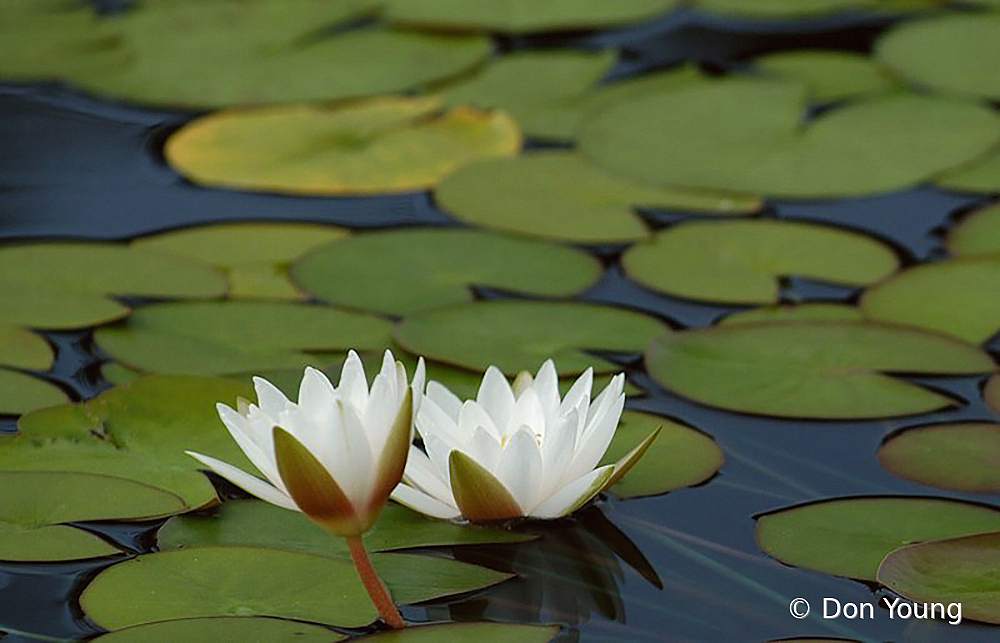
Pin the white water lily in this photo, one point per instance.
(518, 451)
(335, 455)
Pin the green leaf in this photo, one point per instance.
(829, 370)
(20, 393)
(957, 298)
(679, 457)
(976, 234)
(388, 144)
(743, 261)
(794, 312)
(520, 335)
(953, 54)
(224, 628)
(961, 456)
(850, 536)
(463, 632)
(221, 337)
(249, 581)
(50, 543)
(956, 570)
(765, 9)
(828, 74)
(558, 195)
(22, 348)
(478, 494)
(411, 270)
(979, 176)
(748, 135)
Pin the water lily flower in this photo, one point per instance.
(513, 452)
(335, 456)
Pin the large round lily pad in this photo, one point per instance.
(223, 628)
(22, 348)
(409, 270)
(830, 75)
(743, 261)
(955, 297)
(850, 536)
(748, 135)
(679, 457)
(558, 195)
(831, 369)
(20, 393)
(977, 234)
(956, 570)
(952, 53)
(250, 581)
(963, 456)
(391, 144)
(463, 632)
(520, 335)
(979, 176)
(220, 337)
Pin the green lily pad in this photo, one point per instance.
(828, 74)
(520, 335)
(977, 234)
(979, 176)
(389, 144)
(743, 261)
(810, 369)
(952, 53)
(964, 456)
(224, 628)
(249, 581)
(558, 195)
(254, 256)
(956, 570)
(138, 431)
(679, 457)
(850, 536)
(50, 543)
(22, 348)
(520, 16)
(20, 393)
(794, 312)
(748, 135)
(420, 269)
(957, 298)
(259, 524)
(805, 8)
(991, 393)
(220, 337)
(462, 632)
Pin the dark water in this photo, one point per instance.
(679, 567)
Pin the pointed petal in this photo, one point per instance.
(315, 392)
(527, 412)
(270, 400)
(419, 380)
(355, 473)
(484, 449)
(546, 386)
(574, 495)
(447, 401)
(604, 399)
(595, 440)
(495, 396)
(477, 493)
(578, 396)
(315, 492)
(242, 405)
(392, 462)
(421, 475)
(558, 450)
(520, 468)
(380, 414)
(353, 385)
(472, 416)
(522, 383)
(263, 460)
(425, 504)
(247, 482)
(629, 459)
(432, 420)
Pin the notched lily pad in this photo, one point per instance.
(850, 536)
(21, 393)
(813, 369)
(956, 570)
(223, 628)
(743, 261)
(964, 456)
(388, 144)
(420, 269)
(976, 234)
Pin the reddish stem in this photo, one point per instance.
(373, 583)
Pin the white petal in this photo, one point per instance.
(495, 396)
(607, 396)
(444, 398)
(263, 460)
(316, 393)
(546, 386)
(420, 501)
(383, 407)
(484, 449)
(270, 400)
(558, 450)
(244, 480)
(527, 412)
(559, 503)
(356, 472)
(594, 442)
(353, 385)
(432, 420)
(438, 451)
(421, 473)
(578, 396)
(473, 416)
(419, 378)
(520, 469)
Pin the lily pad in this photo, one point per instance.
(805, 8)
(748, 135)
(977, 234)
(794, 312)
(743, 261)
(214, 338)
(259, 524)
(810, 369)
(679, 457)
(520, 335)
(462, 632)
(850, 536)
(223, 628)
(956, 570)
(22, 348)
(953, 53)
(519, 16)
(963, 456)
(830, 75)
(20, 393)
(249, 581)
(50, 543)
(389, 144)
(558, 195)
(979, 176)
(955, 297)
(410, 270)
(254, 256)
